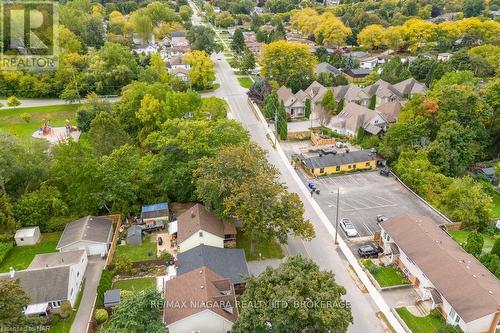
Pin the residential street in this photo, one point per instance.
(321, 249)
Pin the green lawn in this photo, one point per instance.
(495, 211)
(21, 256)
(135, 284)
(11, 121)
(245, 82)
(65, 326)
(137, 252)
(426, 324)
(268, 250)
(385, 276)
(460, 236)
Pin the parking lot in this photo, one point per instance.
(363, 195)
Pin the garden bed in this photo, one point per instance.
(386, 276)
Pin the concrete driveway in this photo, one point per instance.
(92, 277)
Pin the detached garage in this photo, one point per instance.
(91, 233)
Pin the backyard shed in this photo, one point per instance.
(27, 236)
(157, 212)
(134, 235)
(111, 298)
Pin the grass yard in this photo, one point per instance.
(137, 252)
(495, 211)
(268, 250)
(245, 82)
(460, 236)
(21, 256)
(385, 276)
(426, 324)
(65, 326)
(11, 121)
(135, 284)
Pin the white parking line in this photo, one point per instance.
(383, 199)
(370, 232)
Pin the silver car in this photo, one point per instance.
(348, 227)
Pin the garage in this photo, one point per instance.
(97, 249)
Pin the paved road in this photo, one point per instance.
(321, 249)
(92, 277)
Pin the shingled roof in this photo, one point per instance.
(471, 289)
(329, 160)
(90, 228)
(199, 218)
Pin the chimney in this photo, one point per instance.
(12, 272)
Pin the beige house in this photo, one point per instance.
(295, 104)
(354, 116)
(444, 275)
(200, 301)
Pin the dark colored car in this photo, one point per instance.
(369, 251)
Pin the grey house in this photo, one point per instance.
(134, 235)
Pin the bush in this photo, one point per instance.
(26, 117)
(101, 316)
(123, 266)
(13, 101)
(166, 255)
(65, 310)
(474, 244)
(494, 250)
(436, 313)
(54, 319)
(104, 284)
(4, 250)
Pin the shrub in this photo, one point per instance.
(474, 244)
(54, 319)
(65, 310)
(448, 328)
(496, 247)
(101, 316)
(13, 101)
(104, 284)
(436, 313)
(123, 266)
(4, 250)
(26, 117)
(166, 255)
(126, 294)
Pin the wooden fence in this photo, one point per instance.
(117, 221)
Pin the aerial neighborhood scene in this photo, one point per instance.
(250, 166)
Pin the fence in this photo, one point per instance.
(117, 221)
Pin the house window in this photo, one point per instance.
(321, 170)
(337, 168)
(200, 233)
(22, 239)
(367, 164)
(453, 315)
(354, 166)
(387, 237)
(82, 259)
(71, 293)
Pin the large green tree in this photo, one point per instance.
(106, 134)
(238, 42)
(295, 297)
(8, 224)
(13, 299)
(202, 38)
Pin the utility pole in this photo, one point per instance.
(337, 217)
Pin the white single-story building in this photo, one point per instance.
(27, 236)
(450, 279)
(91, 233)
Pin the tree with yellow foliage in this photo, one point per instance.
(331, 30)
(418, 34)
(372, 36)
(117, 22)
(305, 20)
(288, 63)
(393, 38)
(201, 74)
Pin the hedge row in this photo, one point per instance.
(4, 250)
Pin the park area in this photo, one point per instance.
(23, 122)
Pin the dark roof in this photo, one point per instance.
(178, 34)
(326, 67)
(155, 211)
(112, 297)
(90, 228)
(339, 159)
(358, 72)
(43, 284)
(55, 259)
(134, 230)
(228, 263)
(471, 289)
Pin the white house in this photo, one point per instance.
(200, 301)
(91, 233)
(444, 275)
(369, 63)
(27, 236)
(198, 226)
(51, 279)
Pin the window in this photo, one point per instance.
(77, 274)
(453, 315)
(337, 168)
(354, 166)
(200, 233)
(367, 164)
(22, 239)
(322, 170)
(83, 259)
(71, 293)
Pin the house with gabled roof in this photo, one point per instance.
(200, 301)
(444, 275)
(198, 226)
(91, 233)
(294, 103)
(354, 116)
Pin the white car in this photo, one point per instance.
(348, 227)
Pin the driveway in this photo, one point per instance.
(92, 277)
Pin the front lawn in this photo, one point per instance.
(65, 326)
(12, 122)
(386, 276)
(245, 82)
(137, 252)
(460, 236)
(416, 324)
(20, 257)
(266, 249)
(135, 284)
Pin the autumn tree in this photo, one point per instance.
(331, 30)
(202, 74)
(294, 284)
(289, 63)
(372, 36)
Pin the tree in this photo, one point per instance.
(8, 224)
(201, 74)
(288, 63)
(238, 42)
(328, 101)
(13, 101)
(106, 134)
(185, 12)
(474, 244)
(281, 121)
(496, 247)
(472, 7)
(331, 30)
(224, 20)
(93, 33)
(373, 102)
(138, 313)
(491, 262)
(271, 105)
(395, 71)
(307, 112)
(87, 112)
(212, 108)
(13, 300)
(372, 36)
(259, 91)
(202, 38)
(294, 284)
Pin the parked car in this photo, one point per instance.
(381, 218)
(369, 251)
(348, 227)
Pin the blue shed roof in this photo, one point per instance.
(152, 208)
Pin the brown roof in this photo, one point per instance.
(471, 289)
(390, 111)
(354, 116)
(196, 291)
(199, 218)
